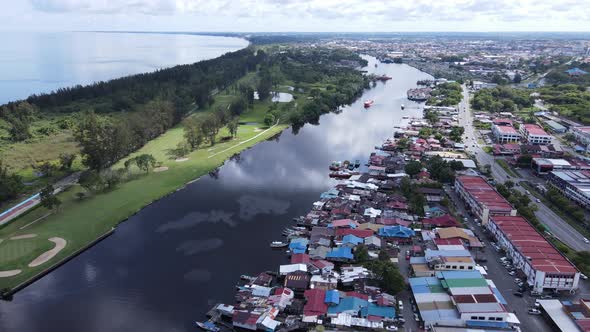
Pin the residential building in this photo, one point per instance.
(567, 315)
(534, 134)
(543, 166)
(575, 185)
(582, 134)
(543, 265)
(481, 198)
(505, 134)
(556, 127)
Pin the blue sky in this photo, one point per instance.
(296, 15)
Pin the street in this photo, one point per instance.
(556, 225)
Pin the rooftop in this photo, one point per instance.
(543, 256)
(485, 194)
(534, 129)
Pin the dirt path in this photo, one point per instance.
(24, 236)
(9, 273)
(49, 254)
(242, 142)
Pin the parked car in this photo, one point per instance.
(512, 273)
(546, 297)
(583, 276)
(416, 317)
(538, 200)
(391, 328)
(517, 280)
(519, 294)
(586, 240)
(485, 267)
(400, 305)
(533, 311)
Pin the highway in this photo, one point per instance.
(556, 225)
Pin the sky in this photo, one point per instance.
(295, 15)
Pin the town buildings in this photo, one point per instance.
(481, 198)
(575, 185)
(543, 266)
(505, 134)
(534, 134)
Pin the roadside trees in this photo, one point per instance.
(48, 199)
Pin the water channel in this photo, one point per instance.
(167, 265)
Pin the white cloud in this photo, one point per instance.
(300, 15)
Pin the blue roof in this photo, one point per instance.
(481, 323)
(340, 252)
(439, 314)
(501, 298)
(576, 71)
(332, 193)
(424, 281)
(332, 296)
(417, 260)
(396, 231)
(298, 245)
(348, 304)
(375, 310)
(350, 238)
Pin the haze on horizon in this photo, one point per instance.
(296, 15)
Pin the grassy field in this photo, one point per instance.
(82, 221)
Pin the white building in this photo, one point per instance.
(534, 134)
(505, 134)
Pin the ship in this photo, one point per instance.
(368, 103)
(208, 326)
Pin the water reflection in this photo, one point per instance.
(168, 264)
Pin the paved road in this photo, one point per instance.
(556, 225)
(499, 275)
(405, 296)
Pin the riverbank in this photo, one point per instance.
(83, 215)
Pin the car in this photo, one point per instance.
(416, 317)
(519, 294)
(401, 321)
(586, 240)
(485, 267)
(512, 273)
(534, 311)
(400, 305)
(517, 280)
(391, 328)
(538, 200)
(546, 297)
(583, 276)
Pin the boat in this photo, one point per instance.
(403, 106)
(278, 244)
(357, 163)
(208, 326)
(351, 167)
(368, 103)
(383, 78)
(247, 277)
(341, 174)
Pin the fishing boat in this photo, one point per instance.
(278, 244)
(368, 103)
(208, 326)
(403, 107)
(351, 167)
(357, 163)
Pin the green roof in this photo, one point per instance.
(436, 289)
(479, 282)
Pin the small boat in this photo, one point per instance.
(351, 167)
(368, 103)
(341, 175)
(357, 163)
(247, 277)
(208, 326)
(278, 244)
(403, 107)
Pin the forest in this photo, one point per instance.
(501, 99)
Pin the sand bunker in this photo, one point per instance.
(257, 130)
(160, 169)
(24, 236)
(10, 273)
(49, 254)
(179, 160)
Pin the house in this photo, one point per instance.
(290, 268)
(325, 281)
(534, 134)
(297, 281)
(373, 242)
(445, 220)
(576, 72)
(314, 304)
(340, 254)
(505, 134)
(332, 297)
(396, 231)
(246, 320)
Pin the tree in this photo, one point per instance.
(264, 86)
(413, 167)
(403, 143)
(416, 203)
(10, 184)
(96, 137)
(48, 199)
(233, 125)
(145, 162)
(517, 78)
(269, 119)
(509, 184)
(66, 160)
(91, 180)
(361, 254)
(457, 133)
(210, 128)
(193, 133)
(19, 116)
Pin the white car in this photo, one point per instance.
(534, 311)
(586, 240)
(583, 276)
(400, 305)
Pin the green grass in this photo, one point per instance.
(507, 167)
(14, 254)
(82, 221)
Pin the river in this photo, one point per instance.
(166, 266)
(35, 62)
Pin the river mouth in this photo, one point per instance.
(167, 265)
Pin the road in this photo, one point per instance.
(556, 225)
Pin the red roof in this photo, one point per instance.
(503, 121)
(449, 241)
(484, 194)
(315, 305)
(543, 256)
(299, 258)
(442, 221)
(397, 205)
(358, 295)
(362, 233)
(534, 129)
(506, 130)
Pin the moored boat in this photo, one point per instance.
(341, 174)
(278, 244)
(403, 107)
(208, 326)
(369, 102)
